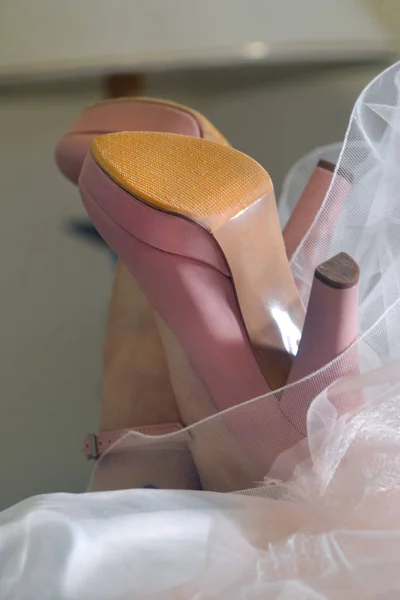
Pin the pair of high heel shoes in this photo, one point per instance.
(196, 223)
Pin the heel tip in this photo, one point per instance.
(330, 166)
(327, 165)
(339, 272)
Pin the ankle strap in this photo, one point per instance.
(95, 445)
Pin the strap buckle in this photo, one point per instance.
(90, 446)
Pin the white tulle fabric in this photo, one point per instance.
(317, 517)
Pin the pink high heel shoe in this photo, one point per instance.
(307, 206)
(330, 329)
(144, 114)
(196, 224)
(141, 114)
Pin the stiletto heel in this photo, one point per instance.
(331, 322)
(308, 205)
(330, 328)
(197, 225)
